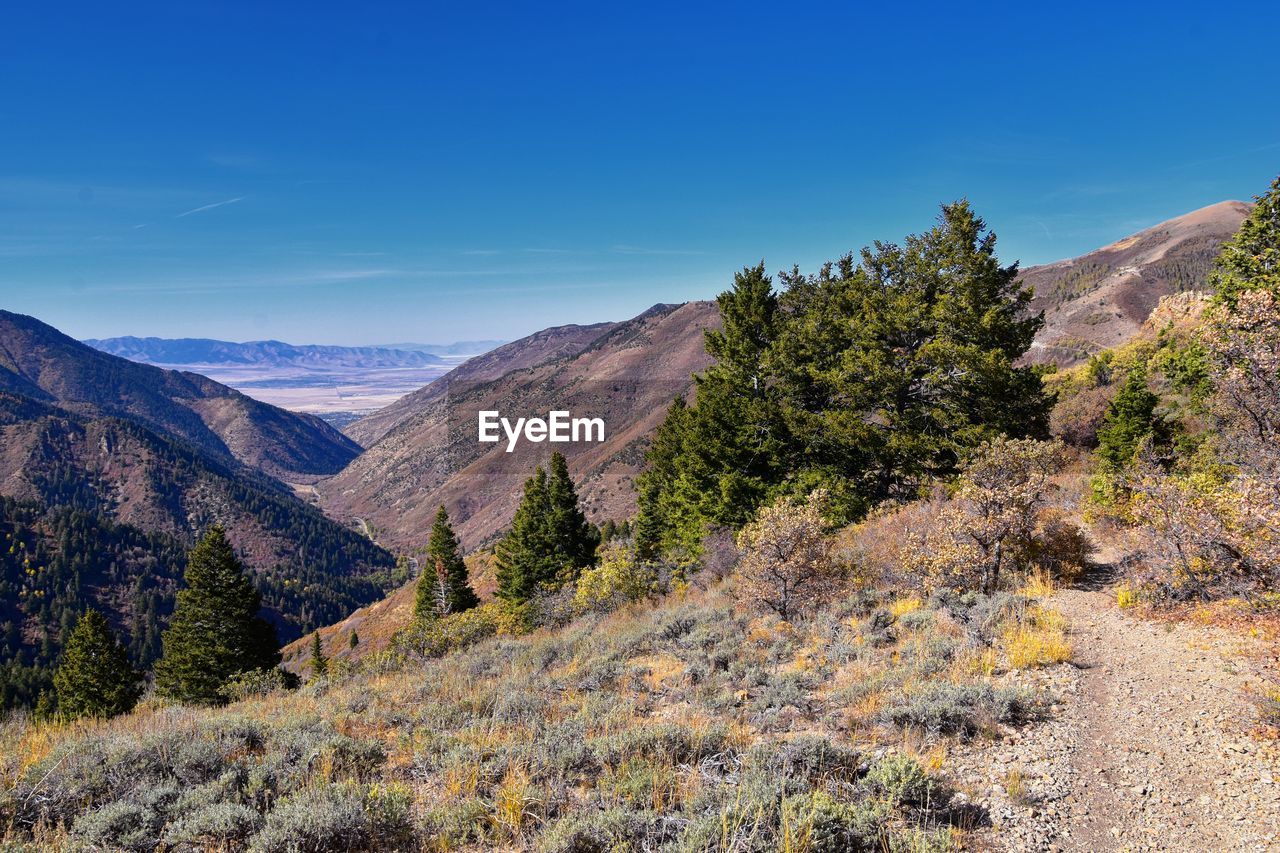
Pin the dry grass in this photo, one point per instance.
(1039, 639)
(637, 717)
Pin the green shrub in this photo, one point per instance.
(600, 831)
(331, 818)
(960, 709)
(257, 683)
(216, 825)
(903, 781)
(841, 827)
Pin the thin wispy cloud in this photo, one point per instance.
(247, 281)
(641, 250)
(205, 207)
(1232, 156)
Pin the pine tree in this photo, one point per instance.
(869, 379)
(95, 677)
(215, 632)
(574, 539)
(354, 641)
(1251, 259)
(526, 560)
(717, 461)
(1129, 420)
(550, 540)
(319, 663)
(648, 527)
(444, 549)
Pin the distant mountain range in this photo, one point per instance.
(191, 352)
(38, 361)
(467, 348)
(531, 351)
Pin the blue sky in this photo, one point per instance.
(360, 173)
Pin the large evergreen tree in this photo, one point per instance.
(215, 632)
(550, 540)
(95, 677)
(717, 462)
(525, 557)
(443, 549)
(869, 379)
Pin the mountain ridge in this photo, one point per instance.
(40, 362)
(268, 353)
(427, 455)
(1101, 298)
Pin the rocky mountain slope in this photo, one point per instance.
(206, 351)
(1100, 300)
(40, 362)
(538, 348)
(626, 373)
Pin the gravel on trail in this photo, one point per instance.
(1148, 746)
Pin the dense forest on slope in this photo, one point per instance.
(54, 563)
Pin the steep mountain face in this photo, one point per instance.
(116, 469)
(627, 374)
(1101, 299)
(40, 362)
(205, 351)
(538, 348)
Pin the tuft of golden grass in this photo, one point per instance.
(1015, 785)
(903, 606)
(1126, 596)
(514, 802)
(1038, 584)
(1039, 639)
(977, 663)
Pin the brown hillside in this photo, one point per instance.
(628, 375)
(1101, 299)
(538, 348)
(119, 470)
(38, 361)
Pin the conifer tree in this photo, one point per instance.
(319, 663)
(648, 527)
(550, 540)
(869, 380)
(95, 677)
(1251, 259)
(443, 549)
(526, 559)
(1130, 419)
(215, 632)
(354, 641)
(574, 539)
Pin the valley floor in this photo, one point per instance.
(1149, 748)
